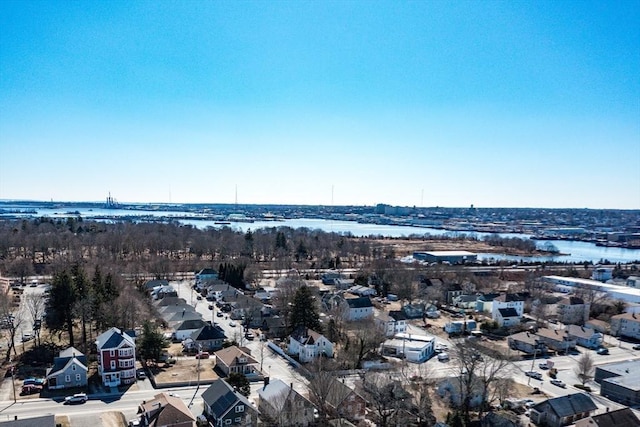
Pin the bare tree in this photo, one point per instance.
(35, 303)
(386, 396)
(320, 384)
(362, 339)
(11, 319)
(584, 368)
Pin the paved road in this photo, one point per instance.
(273, 365)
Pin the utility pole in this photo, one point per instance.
(13, 382)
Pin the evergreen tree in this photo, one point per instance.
(240, 383)
(304, 312)
(151, 343)
(60, 305)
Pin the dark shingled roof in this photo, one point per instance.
(361, 302)
(207, 333)
(571, 404)
(42, 421)
(508, 312)
(220, 396)
(620, 418)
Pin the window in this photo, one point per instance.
(73, 367)
(77, 377)
(227, 421)
(238, 420)
(112, 353)
(67, 378)
(113, 364)
(240, 408)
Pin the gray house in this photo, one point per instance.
(585, 337)
(69, 370)
(225, 407)
(563, 410)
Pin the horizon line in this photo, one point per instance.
(302, 204)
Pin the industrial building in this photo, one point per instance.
(452, 257)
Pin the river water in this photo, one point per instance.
(575, 251)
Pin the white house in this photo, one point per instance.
(359, 308)
(507, 317)
(573, 311)
(308, 344)
(626, 325)
(393, 323)
(514, 301)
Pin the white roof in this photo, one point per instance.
(450, 253)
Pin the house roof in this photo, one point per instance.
(571, 301)
(397, 315)
(207, 271)
(627, 316)
(273, 390)
(306, 336)
(113, 338)
(190, 324)
(155, 283)
(582, 332)
(360, 302)
(338, 392)
(179, 317)
(508, 312)
(273, 322)
(526, 337)
(41, 421)
(172, 410)
(207, 333)
(220, 397)
(509, 298)
(170, 301)
(552, 334)
(565, 406)
(621, 418)
(229, 356)
(61, 364)
(70, 352)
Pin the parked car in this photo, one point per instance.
(219, 314)
(249, 336)
(31, 389)
(443, 357)
(232, 323)
(636, 347)
(76, 398)
(558, 383)
(202, 355)
(141, 375)
(534, 374)
(602, 351)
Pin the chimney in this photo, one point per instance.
(266, 382)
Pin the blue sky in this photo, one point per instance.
(432, 103)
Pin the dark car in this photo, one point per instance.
(602, 351)
(31, 389)
(636, 347)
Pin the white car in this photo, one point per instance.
(443, 357)
(232, 323)
(76, 398)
